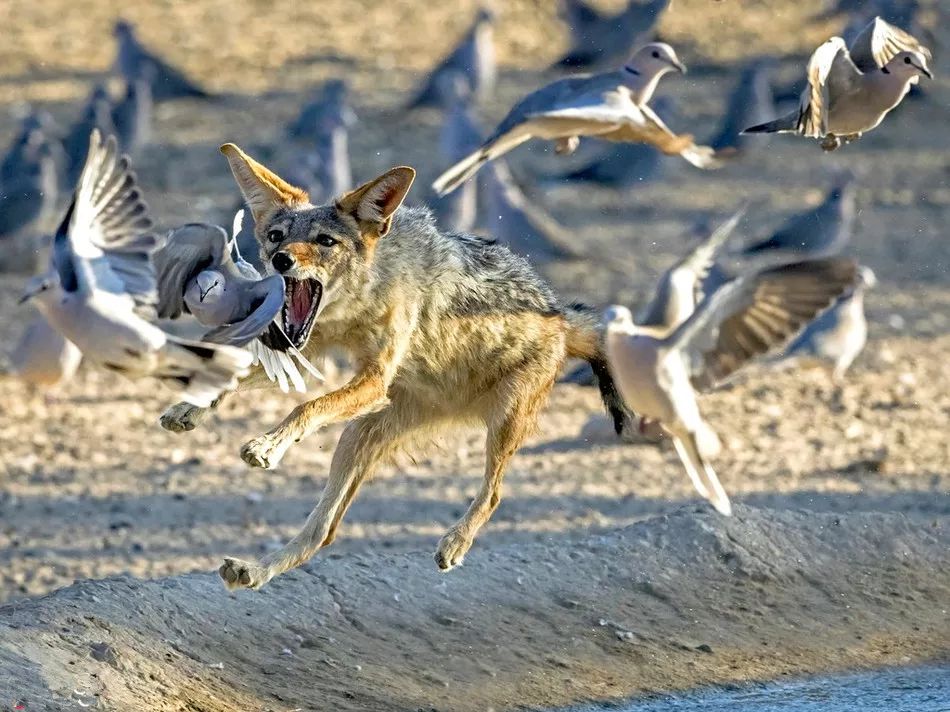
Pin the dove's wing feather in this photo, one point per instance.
(830, 73)
(880, 42)
(642, 125)
(189, 250)
(266, 299)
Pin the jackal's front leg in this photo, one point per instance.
(364, 394)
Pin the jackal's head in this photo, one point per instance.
(325, 253)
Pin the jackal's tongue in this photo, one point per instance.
(299, 302)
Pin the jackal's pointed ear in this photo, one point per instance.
(263, 189)
(372, 204)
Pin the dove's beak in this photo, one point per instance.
(24, 298)
(927, 72)
(678, 66)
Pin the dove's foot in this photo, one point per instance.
(182, 417)
(265, 451)
(831, 143)
(242, 574)
(566, 146)
(452, 550)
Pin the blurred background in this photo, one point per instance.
(90, 485)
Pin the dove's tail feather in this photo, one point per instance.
(460, 172)
(203, 371)
(690, 447)
(584, 341)
(783, 124)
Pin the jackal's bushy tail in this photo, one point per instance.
(585, 341)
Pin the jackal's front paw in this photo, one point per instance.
(242, 574)
(182, 417)
(265, 451)
(452, 550)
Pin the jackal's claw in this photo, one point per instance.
(452, 550)
(265, 451)
(241, 574)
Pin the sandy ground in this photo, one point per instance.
(90, 486)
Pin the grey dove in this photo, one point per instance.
(819, 232)
(837, 336)
(850, 92)
(659, 371)
(473, 58)
(750, 103)
(132, 116)
(599, 39)
(134, 61)
(625, 165)
(611, 106)
(100, 287)
(200, 271)
(44, 357)
(524, 227)
(27, 196)
(36, 128)
(96, 115)
(328, 109)
(460, 135)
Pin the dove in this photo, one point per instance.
(200, 271)
(327, 109)
(750, 103)
(819, 232)
(611, 106)
(134, 60)
(132, 116)
(473, 58)
(44, 357)
(514, 221)
(460, 135)
(659, 371)
(599, 39)
(838, 335)
(36, 128)
(100, 287)
(97, 114)
(27, 195)
(850, 92)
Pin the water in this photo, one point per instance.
(923, 689)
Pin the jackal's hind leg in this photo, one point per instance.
(184, 417)
(514, 416)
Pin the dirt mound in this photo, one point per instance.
(672, 602)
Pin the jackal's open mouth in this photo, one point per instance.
(301, 303)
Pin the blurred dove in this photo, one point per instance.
(132, 116)
(101, 282)
(37, 127)
(200, 271)
(684, 284)
(658, 371)
(473, 58)
(460, 136)
(819, 232)
(43, 356)
(839, 335)
(850, 93)
(327, 109)
(751, 103)
(134, 61)
(611, 106)
(97, 114)
(511, 219)
(599, 39)
(28, 191)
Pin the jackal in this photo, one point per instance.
(442, 328)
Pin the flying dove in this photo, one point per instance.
(44, 357)
(134, 60)
(659, 371)
(132, 116)
(96, 115)
(200, 271)
(599, 39)
(101, 285)
(751, 103)
(819, 232)
(473, 58)
(839, 335)
(850, 92)
(611, 106)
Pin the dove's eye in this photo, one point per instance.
(906, 60)
(325, 240)
(275, 235)
(656, 55)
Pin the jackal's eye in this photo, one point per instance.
(275, 235)
(325, 240)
